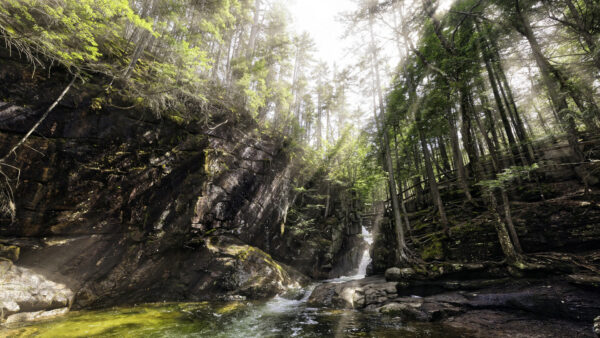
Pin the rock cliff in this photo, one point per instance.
(121, 207)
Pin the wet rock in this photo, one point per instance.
(553, 300)
(10, 252)
(406, 311)
(322, 295)
(354, 294)
(444, 300)
(585, 280)
(249, 271)
(497, 323)
(37, 315)
(597, 326)
(418, 309)
(23, 290)
(397, 274)
(432, 287)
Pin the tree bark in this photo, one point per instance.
(433, 186)
(402, 249)
(511, 254)
(509, 221)
(254, 31)
(492, 79)
(458, 158)
(558, 99)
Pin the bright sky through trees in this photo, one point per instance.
(318, 17)
(321, 19)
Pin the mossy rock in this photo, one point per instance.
(10, 252)
(434, 251)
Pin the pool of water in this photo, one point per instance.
(279, 317)
(282, 316)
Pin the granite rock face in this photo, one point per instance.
(26, 295)
(123, 207)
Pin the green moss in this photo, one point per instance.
(418, 226)
(10, 252)
(434, 251)
(132, 321)
(468, 228)
(433, 248)
(176, 117)
(229, 308)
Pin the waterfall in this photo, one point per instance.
(364, 262)
(366, 257)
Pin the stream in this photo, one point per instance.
(283, 316)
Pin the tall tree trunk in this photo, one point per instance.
(319, 121)
(489, 144)
(433, 186)
(458, 158)
(466, 131)
(328, 200)
(490, 70)
(506, 244)
(508, 96)
(402, 184)
(143, 41)
(509, 221)
(254, 31)
(558, 99)
(402, 249)
(444, 155)
(489, 126)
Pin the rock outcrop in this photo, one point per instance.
(458, 303)
(122, 207)
(26, 295)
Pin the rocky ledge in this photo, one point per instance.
(504, 307)
(26, 295)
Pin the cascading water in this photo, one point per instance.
(364, 261)
(366, 257)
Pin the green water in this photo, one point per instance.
(279, 317)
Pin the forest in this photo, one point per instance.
(237, 168)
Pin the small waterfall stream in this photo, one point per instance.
(366, 257)
(364, 261)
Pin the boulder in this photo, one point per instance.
(358, 294)
(585, 280)
(23, 290)
(248, 271)
(597, 326)
(10, 252)
(397, 274)
(419, 309)
(406, 311)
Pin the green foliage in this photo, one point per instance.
(74, 33)
(508, 175)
